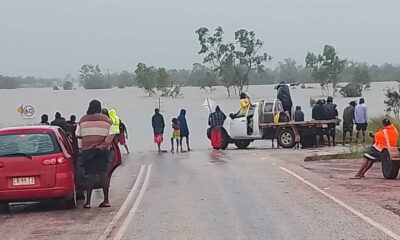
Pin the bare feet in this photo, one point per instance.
(357, 177)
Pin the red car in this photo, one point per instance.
(38, 162)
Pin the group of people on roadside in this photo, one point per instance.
(180, 130)
(325, 110)
(60, 121)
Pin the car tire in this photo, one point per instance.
(390, 168)
(286, 138)
(242, 144)
(4, 207)
(70, 201)
(224, 139)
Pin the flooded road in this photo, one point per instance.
(204, 194)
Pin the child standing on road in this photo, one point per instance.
(176, 134)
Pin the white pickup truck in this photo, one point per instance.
(261, 122)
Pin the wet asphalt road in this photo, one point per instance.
(204, 194)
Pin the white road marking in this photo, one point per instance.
(349, 208)
(121, 211)
(135, 206)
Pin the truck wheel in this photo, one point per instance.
(390, 168)
(70, 201)
(224, 139)
(242, 144)
(286, 138)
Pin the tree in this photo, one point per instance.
(202, 76)
(351, 90)
(145, 78)
(217, 54)
(392, 101)
(361, 75)
(326, 68)
(246, 57)
(162, 80)
(8, 82)
(288, 71)
(92, 78)
(68, 85)
(124, 79)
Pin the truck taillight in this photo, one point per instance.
(53, 161)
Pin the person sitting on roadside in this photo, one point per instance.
(331, 114)
(44, 120)
(348, 121)
(385, 137)
(298, 114)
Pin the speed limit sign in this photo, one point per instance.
(27, 111)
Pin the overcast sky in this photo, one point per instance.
(51, 38)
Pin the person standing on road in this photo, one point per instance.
(331, 114)
(95, 134)
(184, 129)
(60, 122)
(385, 137)
(123, 135)
(348, 121)
(318, 113)
(176, 135)
(72, 120)
(216, 121)
(298, 114)
(361, 119)
(44, 120)
(157, 122)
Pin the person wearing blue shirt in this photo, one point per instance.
(361, 118)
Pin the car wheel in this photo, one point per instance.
(390, 168)
(4, 207)
(286, 138)
(70, 201)
(242, 144)
(224, 139)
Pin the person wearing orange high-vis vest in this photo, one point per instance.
(385, 137)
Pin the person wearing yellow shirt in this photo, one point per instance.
(244, 103)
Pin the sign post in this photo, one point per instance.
(27, 111)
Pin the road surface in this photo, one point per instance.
(205, 194)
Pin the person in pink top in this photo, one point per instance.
(95, 134)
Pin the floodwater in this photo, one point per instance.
(136, 108)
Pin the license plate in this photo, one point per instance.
(22, 181)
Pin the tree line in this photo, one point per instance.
(232, 64)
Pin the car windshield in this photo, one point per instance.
(27, 144)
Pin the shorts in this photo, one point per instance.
(361, 126)
(348, 127)
(176, 134)
(372, 154)
(158, 138)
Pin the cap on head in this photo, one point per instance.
(353, 103)
(386, 122)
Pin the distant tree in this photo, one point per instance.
(392, 101)
(8, 82)
(202, 76)
(326, 68)
(361, 76)
(145, 78)
(352, 89)
(124, 79)
(68, 85)
(246, 57)
(288, 71)
(92, 77)
(217, 54)
(163, 81)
